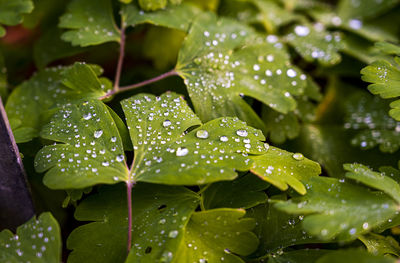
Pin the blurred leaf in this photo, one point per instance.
(380, 245)
(313, 42)
(279, 126)
(104, 240)
(36, 241)
(244, 192)
(364, 9)
(11, 12)
(152, 5)
(338, 209)
(283, 169)
(299, 256)
(176, 17)
(89, 23)
(29, 104)
(3, 79)
(359, 256)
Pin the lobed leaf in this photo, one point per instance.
(89, 23)
(160, 215)
(381, 245)
(283, 169)
(176, 17)
(29, 104)
(221, 69)
(165, 153)
(11, 12)
(90, 152)
(338, 209)
(36, 241)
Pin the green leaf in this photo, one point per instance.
(165, 154)
(11, 12)
(388, 48)
(3, 79)
(177, 17)
(283, 169)
(338, 209)
(38, 240)
(380, 245)
(28, 105)
(89, 23)
(90, 151)
(244, 192)
(313, 42)
(279, 126)
(348, 9)
(49, 47)
(365, 175)
(160, 215)
(214, 236)
(359, 256)
(385, 77)
(152, 5)
(299, 256)
(277, 230)
(218, 70)
(368, 115)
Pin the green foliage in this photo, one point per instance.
(11, 12)
(38, 240)
(237, 157)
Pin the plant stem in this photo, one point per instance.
(149, 81)
(129, 186)
(140, 84)
(120, 58)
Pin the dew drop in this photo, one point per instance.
(173, 233)
(87, 116)
(223, 139)
(97, 134)
(166, 123)
(242, 133)
(298, 156)
(202, 134)
(105, 163)
(182, 151)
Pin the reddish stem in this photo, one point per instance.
(129, 186)
(120, 58)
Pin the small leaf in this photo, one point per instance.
(279, 126)
(363, 174)
(177, 17)
(89, 23)
(359, 256)
(166, 154)
(38, 240)
(160, 214)
(313, 42)
(28, 104)
(90, 151)
(385, 77)
(244, 192)
(214, 236)
(339, 209)
(381, 245)
(283, 169)
(219, 70)
(11, 12)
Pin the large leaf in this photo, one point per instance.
(244, 192)
(218, 70)
(338, 209)
(160, 215)
(36, 241)
(11, 12)
(90, 151)
(284, 169)
(28, 104)
(277, 230)
(385, 77)
(89, 23)
(165, 153)
(359, 256)
(313, 42)
(177, 17)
